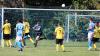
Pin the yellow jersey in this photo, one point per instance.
(7, 28)
(59, 33)
(97, 32)
(26, 27)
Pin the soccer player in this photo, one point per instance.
(38, 33)
(59, 32)
(7, 33)
(96, 35)
(90, 33)
(19, 34)
(27, 31)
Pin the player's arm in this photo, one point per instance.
(90, 27)
(55, 32)
(3, 28)
(29, 25)
(16, 28)
(63, 32)
(23, 28)
(10, 27)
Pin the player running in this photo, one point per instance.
(27, 31)
(59, 32)
(19, 34)
(7, 33)
(90, 33)
(38, 33)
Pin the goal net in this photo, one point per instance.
(74, 22)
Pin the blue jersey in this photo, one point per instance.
(92, 25)
(19, 29)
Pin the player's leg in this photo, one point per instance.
(36, 41)
(94, 41)
(7, 43)
(19, 43)
(62, 45)
(15, 44)
(9, 40)
(30, 38)
(90, 41)
(24, 39)
(57, 44)
(6, 40)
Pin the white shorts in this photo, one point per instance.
(90, 34)
(18, 38)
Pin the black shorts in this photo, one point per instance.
(95, 39)
(38, 33)
(6, 36)
(59, 41)
(27, 34)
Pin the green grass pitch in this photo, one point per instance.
(47, 48)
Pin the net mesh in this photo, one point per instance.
(75, 22)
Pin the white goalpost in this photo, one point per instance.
(64, 10)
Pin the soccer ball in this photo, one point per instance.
(63, 5)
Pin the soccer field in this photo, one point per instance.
(47, 48)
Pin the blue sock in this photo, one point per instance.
(19, 44)
(90, 43)
(25, 37)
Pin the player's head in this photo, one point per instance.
(6, 21)
(19, 21)
(25, 20)
(58, 24)
(97, 24)
(38, 22)
(91, 19)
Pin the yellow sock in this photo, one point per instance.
(10, 44)
(31, 40)
(7, 43)
(57, 47)
(62, 47)
(94, 45)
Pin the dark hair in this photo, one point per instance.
(25, 20)
(97, 23)
(91, 19)
(19, 20)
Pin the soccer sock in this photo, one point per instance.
(89, 43)
(94, 45)
(15, 44)
(62, 47)
(57, 47)
(10, 42)
(7, 43)
(31, 40)
(19, 44)
(23, 42)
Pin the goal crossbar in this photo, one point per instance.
(50, 9)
